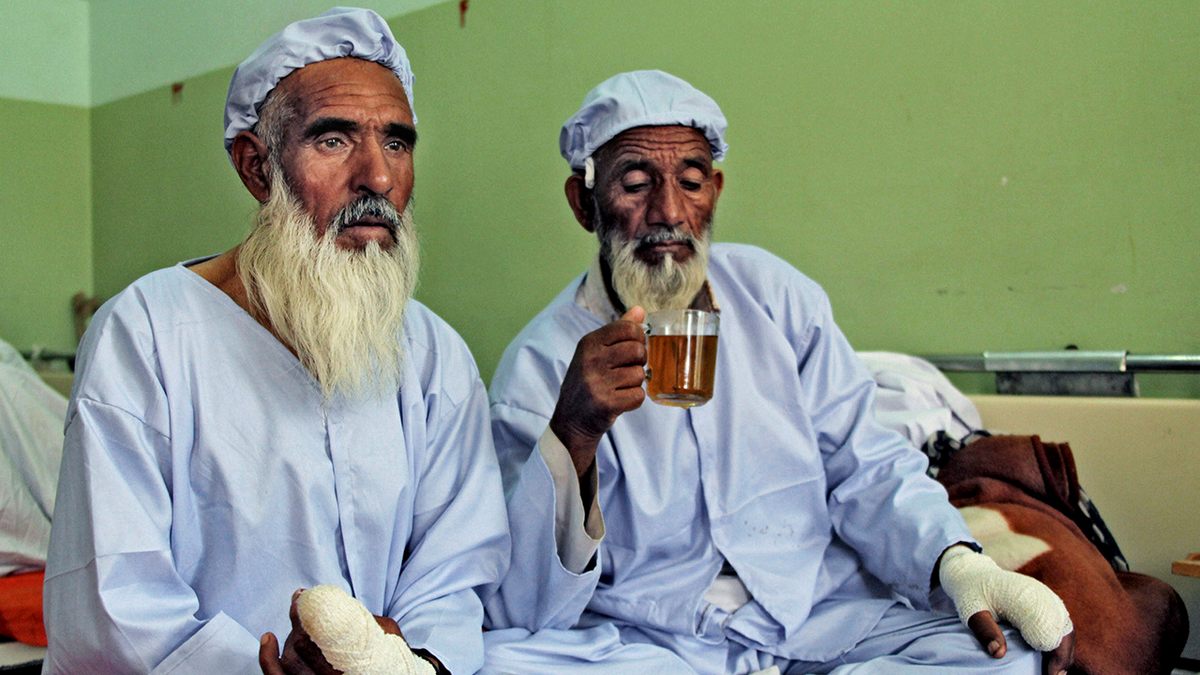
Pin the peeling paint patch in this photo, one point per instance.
(1119, 288)
(1003, 181)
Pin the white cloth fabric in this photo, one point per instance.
(203, 482)
(577, 540)
(916, 399)
(576, 537)
(31, 439)
(826, 517)
(727, 591)
(905, 641)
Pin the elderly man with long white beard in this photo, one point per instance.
(777, 528)
(283, 415)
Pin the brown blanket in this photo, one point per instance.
(1125, 623)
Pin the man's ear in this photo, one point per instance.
(580, 199)
(718, 183)
(249, 155)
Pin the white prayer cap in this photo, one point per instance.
(642, 98)
(341, 31)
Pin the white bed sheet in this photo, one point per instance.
(31, 438)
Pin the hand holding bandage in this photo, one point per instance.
(349, 638)
(977, 586)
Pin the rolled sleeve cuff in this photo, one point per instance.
(576, 536)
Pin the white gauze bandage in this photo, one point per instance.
(589, 173)
(976, 583)
(350, 638)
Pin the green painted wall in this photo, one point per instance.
(960, 176)
(45, 222)
(165, 190)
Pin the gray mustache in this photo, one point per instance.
(367, 206)
(665, 235)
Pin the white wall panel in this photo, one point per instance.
(137, 45)
(44, 53)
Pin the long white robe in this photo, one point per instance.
(203, 482)
(826, 517)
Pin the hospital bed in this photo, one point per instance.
(1138, 458)
(31, 427)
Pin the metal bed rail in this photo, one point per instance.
(1066, 361)
(38, 355)
(1067, 372)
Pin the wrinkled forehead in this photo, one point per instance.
(346, 83)
(669, 144)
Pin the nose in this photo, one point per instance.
(372, 174)
(666, 207)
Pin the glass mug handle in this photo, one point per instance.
(646, 330)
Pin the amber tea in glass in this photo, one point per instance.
(682, 356)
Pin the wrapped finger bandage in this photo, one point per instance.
(350, 638)
(976, 583)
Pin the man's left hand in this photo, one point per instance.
(987, 631)
(981, 591)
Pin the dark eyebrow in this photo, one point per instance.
(324, 125)
(405, 132)
(632, 165)
(698, 162)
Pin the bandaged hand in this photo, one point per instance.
(975, 583)
(350, 638)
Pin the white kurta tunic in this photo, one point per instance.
(824, 515)
(203, 482)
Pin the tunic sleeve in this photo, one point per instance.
(114, 601)
(539, 591)
(880, 500)
(576, 538)
(459, 543)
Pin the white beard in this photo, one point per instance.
(667, 285)
(342, 311)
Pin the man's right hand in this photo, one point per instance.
(604, 380)
(302, 656)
